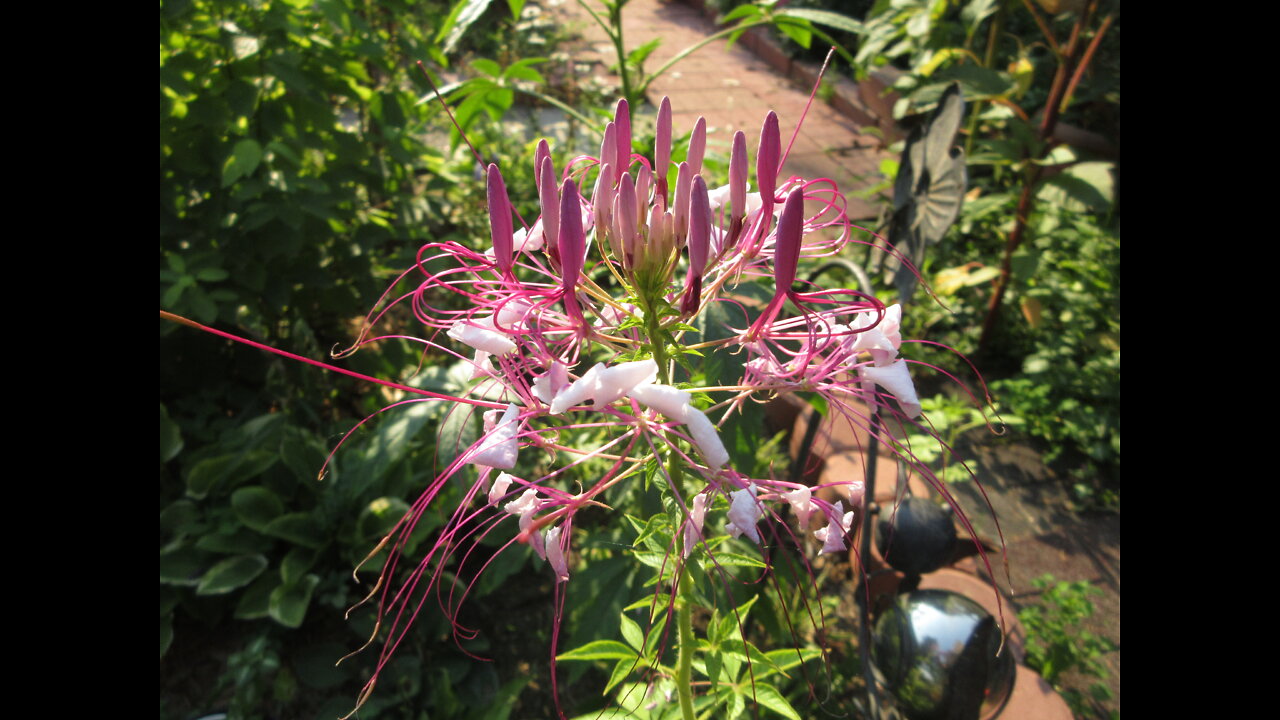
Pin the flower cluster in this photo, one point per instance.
(577, 321)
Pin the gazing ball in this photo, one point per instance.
(936, 651)
(917, 537)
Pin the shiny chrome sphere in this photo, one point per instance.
(936, 651)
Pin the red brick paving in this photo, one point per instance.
(734, 89)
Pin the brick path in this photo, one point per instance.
(734, 89)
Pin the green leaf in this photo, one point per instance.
(288, 603)
(211, 274)
(254, 601)
(768, 696)
(235, 540)
(599, 650)
(182, 565)
(244, 159)
(1084, 186)
(170, 436)
(457, 432)
(800, 32)
(742, 11)
(631, 632)
(638, 56)
(232, 573)
(212, 472)
(299, 528)
(296, 563)
(166, 633)
(256, 506)
(727, 559)
(825, 18)
(178, 517)
(620, 672)
(523, 71)
(460, 19)
(380, 516)
(488, 67)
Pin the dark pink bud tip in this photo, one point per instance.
(571, 242)
(699, 226)
(768, 156)
(622, 119)
(787, 252)
(500, 220)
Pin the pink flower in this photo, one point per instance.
(838, 524)
(693, 527)
(555, 554)
(744, 513)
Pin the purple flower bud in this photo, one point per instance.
(609, 148)
(738, 169)
(699, 226)
(684, 184)
(602, 199)
(500, 220)
(543, 151)
(549, 199)
(787, 251)
(767, 159)
(644, 179)
(622, 119)
(626, 219)
(571, 240)
(662, 144)
(659, 246)
(697, 145)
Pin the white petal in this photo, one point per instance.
(667, 400)
(895, 378)
(706, 438)
(527, 502)
(693, 528)
(535, 540)
(801, 505)
(546, 386)
(482, 366)
(838, 523)
(498, 448)
(555, 554)
(620, 379)
(491, 341)
(744, 513)
(499, 489)
(581, 389)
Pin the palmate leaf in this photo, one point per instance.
(929, 189)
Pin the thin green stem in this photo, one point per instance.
(684, 657)
(557, 103)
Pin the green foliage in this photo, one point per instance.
(1047, 209)
(731, 659)
(297, 169)
(1056, 642)
(1068, 279)
(949, 417)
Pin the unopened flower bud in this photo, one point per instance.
(500, 220)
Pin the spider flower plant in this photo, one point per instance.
(588, 318)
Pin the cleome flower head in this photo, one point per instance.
(587, 320)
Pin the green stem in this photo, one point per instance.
(684, 657)
(563, 106)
